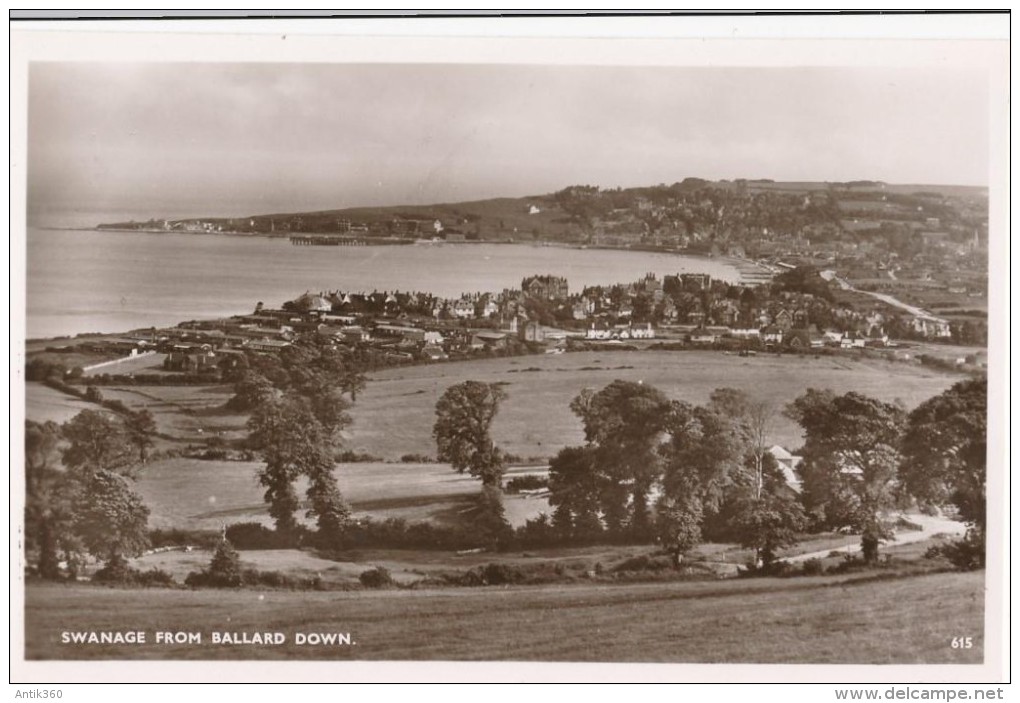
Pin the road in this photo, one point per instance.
(930, 525)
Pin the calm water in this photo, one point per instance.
(85, 281)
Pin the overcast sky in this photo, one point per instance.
(176, 140)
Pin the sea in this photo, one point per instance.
(100, 281)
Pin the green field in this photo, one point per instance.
(395, 413)
(43, 404)
(198, 494)
(842, 620)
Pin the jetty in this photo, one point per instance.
(326, 241)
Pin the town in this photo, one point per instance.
(800, 310)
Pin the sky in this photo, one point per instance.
(232, 139)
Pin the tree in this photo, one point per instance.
(293, 442)
(945, 452)
(679, 525)
(225, 565)
(754, 421)
(141, 426)
(699, 456)
(97, 441)
(464, 416)
(250, 391)
(768, 517)
(850, 459)
(622, 423)
(575, 486)
(111, 518)
(47, 513)
(93, 507)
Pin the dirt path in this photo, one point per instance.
(930, 525)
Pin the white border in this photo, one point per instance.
(735, 41)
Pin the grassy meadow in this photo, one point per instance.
(819, 620)
(199, 494)
(395, 413)
(880, 617)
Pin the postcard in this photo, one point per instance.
(496, 349)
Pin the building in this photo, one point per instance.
(545, 287)
(266, 345)
(788, 464)
(931, 326)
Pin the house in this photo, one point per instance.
(583, 308)
(695, 281)
(788, 464)
(545, 287)
(726, 312)
(645, 331)
(746, 333)
(670, 311)
(783, 320)
(832, 337)
(433, 337)
(533, 332)
(772, 335)
(931, 326)
(463, 309)
(488, 340)
(876, 337)
(852, 340)
(266, 345)
(434, 352)
(190, 361)
(355, 334)
(804, 338)
(490, 308)
(313, 303)
(701, 335)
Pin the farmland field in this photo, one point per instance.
(830, 619)
(44, 404)
(394, 414)
(197, 494)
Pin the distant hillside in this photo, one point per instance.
(692, 215)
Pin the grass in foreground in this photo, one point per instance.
(830, 619)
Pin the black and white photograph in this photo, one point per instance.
(339, 347)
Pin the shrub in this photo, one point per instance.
(644, 562)
(254, 535)
(349, 456)
(225, 567)
(154, 577)
(812, 567)
(117, 570)
(493, 574)
(379, 577)
(417, 459)
(967, 554)
(526, 483)
(93, 395)
(183, 538)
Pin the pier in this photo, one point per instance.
(327, 241)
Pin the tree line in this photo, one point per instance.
(671, 471)
(651, 468)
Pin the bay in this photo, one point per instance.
(82, 281)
